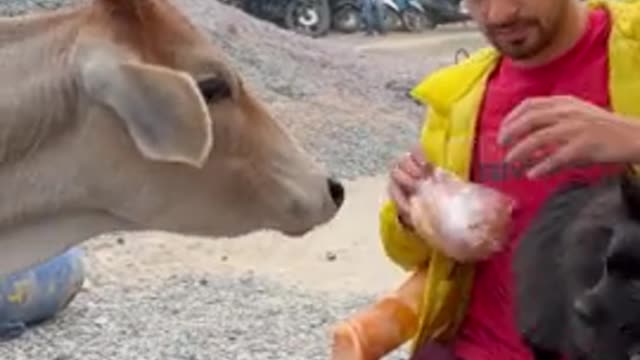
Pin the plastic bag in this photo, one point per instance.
(382, 327)
(468, 222)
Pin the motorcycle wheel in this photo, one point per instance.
(308, 17)
(347, 19)
(392, 20)
(416, 21)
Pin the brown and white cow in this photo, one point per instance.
(122, 115)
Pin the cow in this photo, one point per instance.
(122, 115)
(577, 271)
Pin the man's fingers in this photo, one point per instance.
(536, 142)
(412, 168)
(568, 155)
(402, 179)
(418, 157)
(527, 105)
(400, 199)
(517, 126)
(417, 154)
(414, 165)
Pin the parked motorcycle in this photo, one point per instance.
(440, 12)
(413, 16)
(307, 17)
(392, 19)
(347, 15)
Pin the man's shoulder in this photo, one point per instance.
(450, 82)
(625, 16)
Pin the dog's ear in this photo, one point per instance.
(164, 111)
(630, 192)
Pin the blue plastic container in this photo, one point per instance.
(38, 294)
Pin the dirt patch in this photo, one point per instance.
(344, 255)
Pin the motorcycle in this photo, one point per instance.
(440, 12)
(347, 15)
(307, 17)
(413, 16)
(392, 18)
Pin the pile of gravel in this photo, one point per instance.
(17, 7)
(350, 110)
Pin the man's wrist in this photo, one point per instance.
(632, 155)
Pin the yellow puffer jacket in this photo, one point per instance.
(453, 96)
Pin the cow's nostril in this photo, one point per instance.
(337, 191)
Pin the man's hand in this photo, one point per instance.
(405, 176)
(578, 132)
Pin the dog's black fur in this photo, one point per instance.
(577, 271)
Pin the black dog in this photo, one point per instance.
(577, 272)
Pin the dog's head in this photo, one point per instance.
(607, 315)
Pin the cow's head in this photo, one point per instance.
(188, 147)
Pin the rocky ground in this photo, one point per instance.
(159, 296)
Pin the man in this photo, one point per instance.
(554, 99)
(373, 16)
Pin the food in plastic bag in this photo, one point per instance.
(468, 222)
(383, 327)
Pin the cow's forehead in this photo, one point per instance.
(161, 32)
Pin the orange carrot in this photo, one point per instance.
(382, 327)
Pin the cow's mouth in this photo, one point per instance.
(302, 232)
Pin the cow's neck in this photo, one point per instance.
(38, 93)
(38, 105)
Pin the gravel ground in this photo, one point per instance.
(16, 7)
(349, 109)
(239, 317)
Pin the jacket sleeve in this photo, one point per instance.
(401, 245)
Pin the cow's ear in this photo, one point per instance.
(630, 191)
(163, 109)
(126, 8)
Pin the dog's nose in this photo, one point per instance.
(587, 311)
(336, 190)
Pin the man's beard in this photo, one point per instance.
(537, 39)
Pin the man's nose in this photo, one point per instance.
(498, 12)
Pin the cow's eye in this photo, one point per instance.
(214, 89)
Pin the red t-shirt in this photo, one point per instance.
(489, 331)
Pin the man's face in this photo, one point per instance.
(519, 29)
